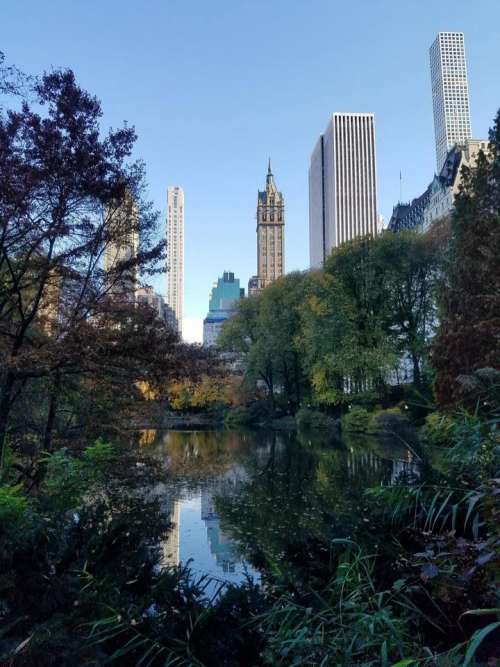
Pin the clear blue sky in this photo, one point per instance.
(214, 87)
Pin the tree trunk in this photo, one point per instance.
(5, 405)
(298, 394)
(51, 417)
(270, 387)
(416, 370)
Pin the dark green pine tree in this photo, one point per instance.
(469, 333)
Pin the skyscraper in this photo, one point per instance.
(223, 298)
(342, 184)
(175, 252)
(121, 221)
(450, 93)
(270, 235)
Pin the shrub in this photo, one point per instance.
(286, 423)
(358, 419)
(257, 413)
(307, 418)
(438, 430)
(344, 623)
(389, 421)
(238, 417)
(68, 478)
(13, 506)
(476, 447)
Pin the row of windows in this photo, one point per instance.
(279, 217)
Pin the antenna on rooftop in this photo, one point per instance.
(400, 187)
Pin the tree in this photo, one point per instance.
(468, 336)
(408, 267)
(326, 337)
(266, 331)
(61, 192)
(366, 354)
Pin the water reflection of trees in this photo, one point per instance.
(269, 490)
(200, 454)
(299, 490)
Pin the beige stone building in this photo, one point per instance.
(122, 221)
(270, 236)
(445, 185)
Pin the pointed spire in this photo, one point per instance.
(269, 177)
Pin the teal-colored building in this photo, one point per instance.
(223, 298)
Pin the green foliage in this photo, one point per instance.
(430, 507)
(265, 331)
(257, 413)
(467, 339)
(347, 622)
(98, 456)
(331, 336)
(237, 417)
(357, 420)
(438, 430)
(13, 507)
(68, 478)
(313, 419)
(391, 420)
(475, 447)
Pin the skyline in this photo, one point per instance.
(214, 135)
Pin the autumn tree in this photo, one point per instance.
(61, 188)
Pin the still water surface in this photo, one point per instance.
(238, 498)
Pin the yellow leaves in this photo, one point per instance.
(147, 391)
(318, 306)
(207, 392)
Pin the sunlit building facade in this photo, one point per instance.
(342, 184)
(175, 253)
(270, 236)
(450, 93)
(225, 293)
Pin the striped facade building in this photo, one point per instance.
(450, 93)
(342, 184)
(175, 254)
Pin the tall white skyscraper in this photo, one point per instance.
(342, 184)
(175, 252)
(450, 93)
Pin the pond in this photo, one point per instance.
(240, 499)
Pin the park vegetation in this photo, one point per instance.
(403, 327)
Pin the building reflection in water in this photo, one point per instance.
(252, 473)
(171, 546)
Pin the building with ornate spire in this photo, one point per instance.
(270, 236)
